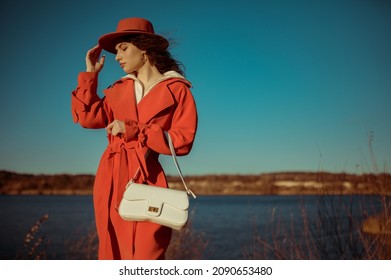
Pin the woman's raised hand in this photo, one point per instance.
(93, 62)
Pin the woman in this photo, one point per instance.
(137, 110)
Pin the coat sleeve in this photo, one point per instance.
(182, 129)
(88, 109)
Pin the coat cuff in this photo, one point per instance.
(88, 79)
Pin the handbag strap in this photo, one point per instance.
(172, 149)
(189, 192)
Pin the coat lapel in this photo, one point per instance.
(156, 101)
(122, 100)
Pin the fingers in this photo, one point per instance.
(116, 128)
(99, 65)
(102, 60)
(93, 62)
(109, 128)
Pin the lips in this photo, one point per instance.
(122, 65)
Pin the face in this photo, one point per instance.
(130, 57)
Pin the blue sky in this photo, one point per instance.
(280, 85)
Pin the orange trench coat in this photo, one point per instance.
(169, 106)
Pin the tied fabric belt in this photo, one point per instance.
(126, 152)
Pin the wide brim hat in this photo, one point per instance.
(129, 26)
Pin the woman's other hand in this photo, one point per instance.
(116, 128)
(93, 62)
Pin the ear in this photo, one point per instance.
(144, 56)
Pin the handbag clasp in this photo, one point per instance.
(153, 209)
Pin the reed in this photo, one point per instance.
(84, 248)
(34, 244)
(339, 232)
(334, 231)
(187, 244)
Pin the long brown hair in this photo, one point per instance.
(157, 53)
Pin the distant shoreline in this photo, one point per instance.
(281, 183)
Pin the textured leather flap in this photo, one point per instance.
(156, 197)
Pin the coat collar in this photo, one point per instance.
(166, 76)
(157, 98)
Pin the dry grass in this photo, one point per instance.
(338, 231)
(335, 231)
(34, 245)
(187, 244)
(85, 248)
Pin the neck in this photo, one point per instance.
(148, 75)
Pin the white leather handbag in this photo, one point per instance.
(164, 206)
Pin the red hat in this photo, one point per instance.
(125, 27)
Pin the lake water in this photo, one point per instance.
(230, 227)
